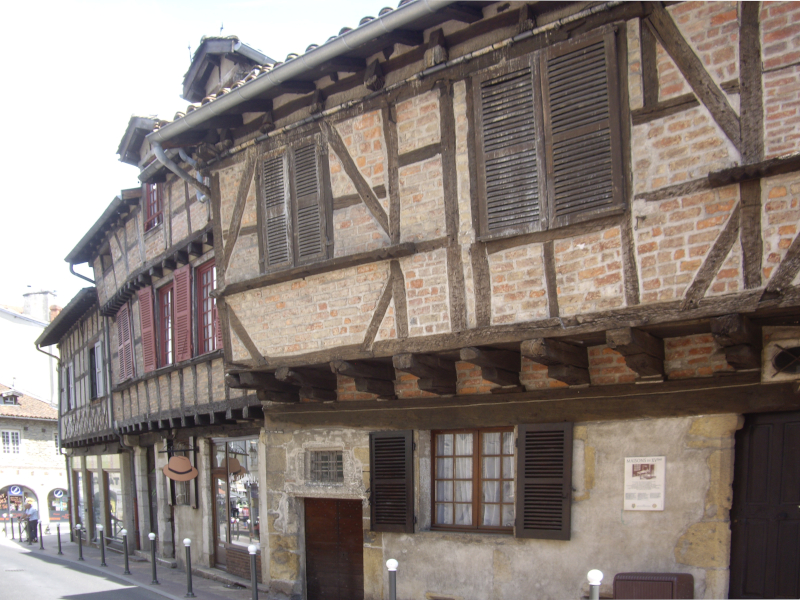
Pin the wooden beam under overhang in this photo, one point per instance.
(565, 362)
(436, 374)
(740, 339)
(737, 393)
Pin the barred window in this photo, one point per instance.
(326, 466)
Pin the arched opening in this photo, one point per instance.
(13, 499)
(58, 505)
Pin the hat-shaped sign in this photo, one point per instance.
(233, 465)
(180, 469)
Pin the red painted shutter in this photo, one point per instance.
(544, 481)
(148, 328)
(183, 313)
(125, 347)
(217, 328)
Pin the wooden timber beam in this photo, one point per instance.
(564, 362)
(372, 378)
(436, 374)
(374, 78)
(643, 352)
(740, 340)
(463, 13)
(498, 366)
(314, 384)
(436, 50)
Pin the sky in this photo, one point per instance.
(74, 73)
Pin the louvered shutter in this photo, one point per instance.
(71, 373)
(217, 329)
(309, 224)
(64, 393)
(392, 481)
(509, 169)
(544, 481)
(182, 279)
(148, 328)
(98, 370)
(276, 197)
(581, 113)
(125, 345)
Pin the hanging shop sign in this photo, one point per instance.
(179, 468)
(645, 482)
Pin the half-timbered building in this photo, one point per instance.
(472, 261)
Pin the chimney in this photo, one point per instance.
(37, 305)
(54, 311)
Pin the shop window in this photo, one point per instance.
(235, 482)
(326, 466)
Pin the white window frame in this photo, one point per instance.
(8, 447)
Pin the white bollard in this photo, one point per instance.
(392, 564)
(595, 578)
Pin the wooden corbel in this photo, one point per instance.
(564, 362)
(436, 50)
(498, 366)
(372, 378)
(740, 339)
(436, 374)
(643, 352)
(373, 76)
(314, 384)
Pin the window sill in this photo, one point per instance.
(468, 537)
(153, 229)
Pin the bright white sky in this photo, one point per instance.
(74, 73)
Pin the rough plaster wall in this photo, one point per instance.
(314, 313)
(691, 535)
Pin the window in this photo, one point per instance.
(55, 440)
(11, 442)
(153, 203)
(10, 398)
(234, 474)
(550, 138)
(473, 479)
(326, 466)
(124, 341)
(97, 388)
(206, 308)
(294, 199)
(165, 321)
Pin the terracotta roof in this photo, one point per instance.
(69, 315)
(28, 407)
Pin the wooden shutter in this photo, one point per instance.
(64, 393)
(98, 370)
(391, 481)
(182, 279)
(276, 197)
(71, 373)
(125, 345)
(148, 329)
(544, 481)
(509, 170)
(582, 127)
(309, 216)
(217, 328)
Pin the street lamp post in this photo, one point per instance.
(188, 543)
(392, 564)
(595, 577)
(152, 537)
(252, 549)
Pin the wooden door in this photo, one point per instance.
(334, 549)
(765, 517)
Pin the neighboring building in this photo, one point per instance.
(452, 288)
(32, 372)
(32, 468)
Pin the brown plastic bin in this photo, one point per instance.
(653, 585)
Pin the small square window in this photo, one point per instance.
(326, 466)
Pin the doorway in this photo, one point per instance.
(334, 549)
(765, 516)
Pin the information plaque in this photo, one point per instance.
(644, 482)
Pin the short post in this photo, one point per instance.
(152, 537)
(188, 543)
(252, 549)
(58, 533)
(595, 577)
(124, 533)
(391, 564)
(19, 523)
(5, 524)
(80, 541)
(12, 528)
(102, 540)
(41, 537)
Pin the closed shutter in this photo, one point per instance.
(509, 164)
(183, 313)
(217, 328)
(309, 215)
(71, 373)
(148, 328)
(392, 481)
(98, 370)
(124, 343)
(544, 481)
(581, 113)
(64, 391)
(276, 210)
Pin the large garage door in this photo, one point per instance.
(765, 518)
(334, 549)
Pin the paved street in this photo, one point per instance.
(41, 574)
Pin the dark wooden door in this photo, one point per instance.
(765, 517)
(334, 549)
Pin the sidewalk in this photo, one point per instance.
(172, 581)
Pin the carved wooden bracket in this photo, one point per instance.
(498, 366)
(643, 352)
(369, 377)
(564, 362)
(740, 339)
(314, 384)
(436, 374)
